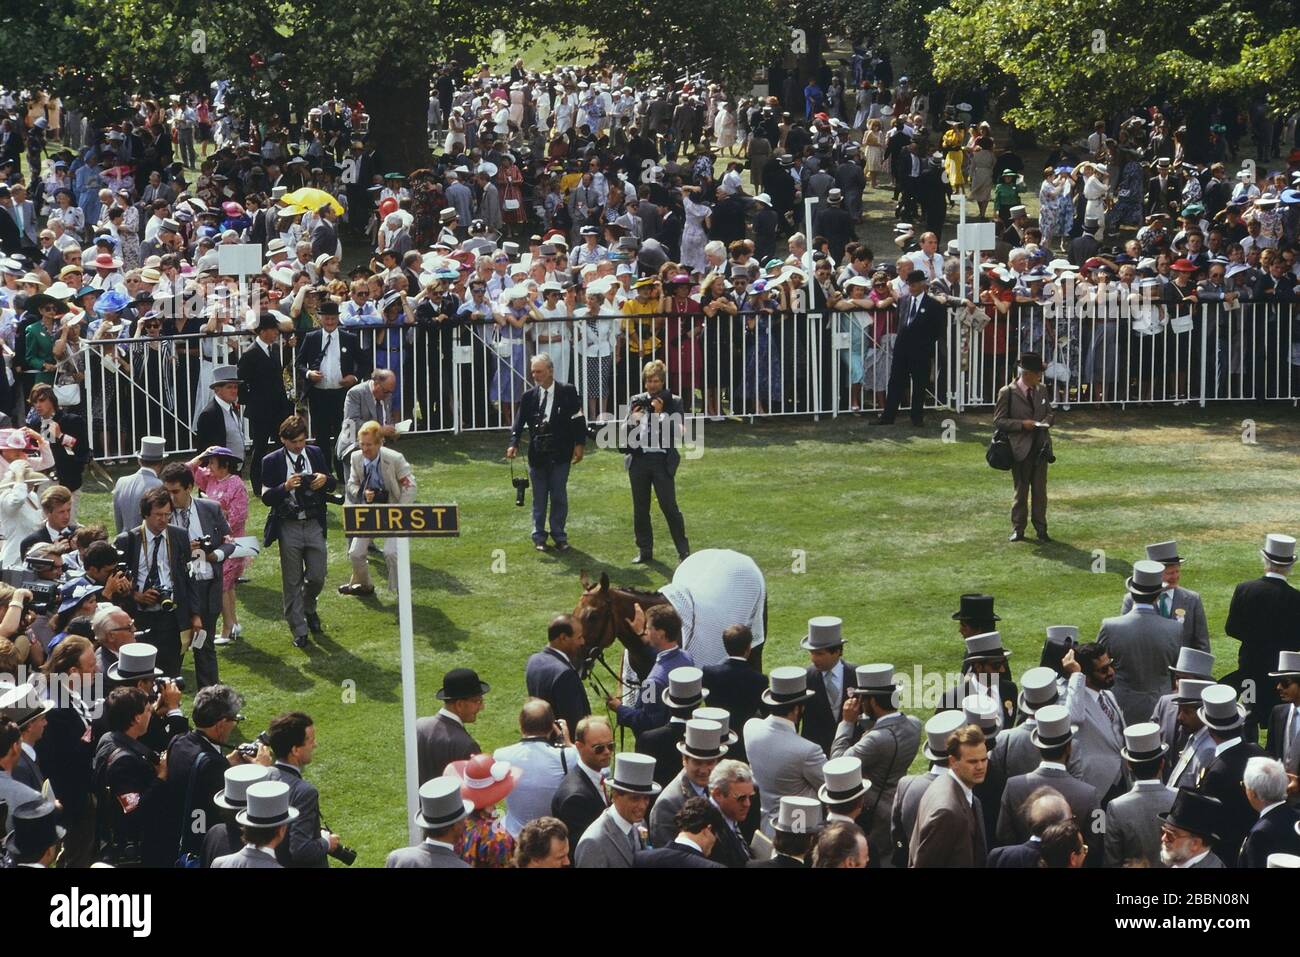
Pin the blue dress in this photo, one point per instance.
(511, 373)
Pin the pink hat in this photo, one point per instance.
(484, 780)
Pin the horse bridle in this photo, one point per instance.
(599, 656)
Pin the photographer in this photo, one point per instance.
(135, 668)
(376, 475)
(546, 754)
(156, 554)
(654, 423)
(293, 741)
(103, 567)
(198, 754)
(295, 480)
(204, 523)
(16, 620)
(58, 528)
(41, 579)
(557, 433)
(130, 777)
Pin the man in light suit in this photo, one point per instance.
(886, 749)
(293, 743)
(264, 823)
(1020, 407)
(129, 489)
(1284, 721)
(1181, 604)
(367, 401)
(552, 673)
(581, 797)
(949, 829)
(442, 816)
(1278, 829)
(784, 763)
(911, 788)
(376, 475)
(1038, 689)
(701, 748)
(696, 825)
(1097, 745)
(613, 839)
(921, 321)
(1193, 664)
(830, 679)
(1132, 825)
(443, 738)
(1262, 617)
(24, 214)
(1143, 644)
(1198, 748)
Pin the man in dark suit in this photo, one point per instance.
(829, 678)
(1020, 407)
(325, 237)
(1263, 617)
(1223, 778)
(654, 427)
(697, 824)
(793, 832)
(1043, 808)
(552, 673)
(261, 389)
(66, 434)
(296, 478)
(443, 738)
(685, 693)
(331, 361)
(197, 755)
(921, 320)
(949, 829)
(581, 796)
(1284, 722)
(835, 223)
(219, 424)
(731, 789)
(557, 436)
(293, 742)
(1276, 831)
(157, 557)
(735, 685)
(56, 505)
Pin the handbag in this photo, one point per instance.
(68, 394)
(1057, 371)
(999, 454)
(510, 205)
(1181, 324)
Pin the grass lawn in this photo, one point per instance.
(893, 526)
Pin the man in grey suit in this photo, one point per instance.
(442, 816)
(1193, 664)
(293, 743)
(130, 489)
(907, 797)
(1038, 689)
(1132, 825)
(1198, 749)
(443, 738)
(1092, 706)
(1188, 829)
(1143, 644)
(784, 763)
(886, 749)
(367, 401)
(701, 750)
(613, 839)
(1181, 604)
(264, 823)
(1053, 737)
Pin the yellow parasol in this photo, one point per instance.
(308, 199)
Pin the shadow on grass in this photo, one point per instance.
(334, 663)
(1067, 554)
(284, 673)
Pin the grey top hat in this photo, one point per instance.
(798, 815)
(1147, 579)
(723, 717)
(23, 703)
(1053, 727)
(441, 805)
(238, 779)
(1288, 665)
(1142, 742)
(986, 646)
(134, 661)
(937, 730)
(1219, 709)
(1063, 631)
(876, 679)
(1038, 689)
(1280, 859)
(1279, 549)
(983, 711)
(1192, 661)
(1164, 552)
(685, 688)
(786, 685)
(843, 781)
(224, 375)
(824, 631)
(1190, 689)
(634, 774)
(152, 448)
(267, 805)
(703, 740)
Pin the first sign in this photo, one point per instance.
(401, 521)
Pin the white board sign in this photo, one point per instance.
(239, 259)
(977, 236)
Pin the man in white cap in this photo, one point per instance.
(264, 826)
(1143, 643)
(1132, 826)
(1190, 664)
(442, 816)
(1284, 721)
(1223, 777)
(1174, 601)
(613, 839)
(784, 763)
(1262, 617)
(1278, 828)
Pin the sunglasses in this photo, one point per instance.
(602, 748)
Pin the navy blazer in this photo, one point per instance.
(130, 545)
(303, 846)
(353, 359)
(553, 679)
(1015, 855)
(275, 472)
(818, 723)
(1273, 833)
(736, 687)
(674, 855)
(577, 803)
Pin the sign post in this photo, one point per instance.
(972, 239)
(404, 522)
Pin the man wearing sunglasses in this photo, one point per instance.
(582, 796)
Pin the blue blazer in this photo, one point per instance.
(650, 711)
(1274, 832)
(549, 677)
(275, 471)
(1015, 855)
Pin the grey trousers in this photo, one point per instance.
(1030, 476)
(303, 558)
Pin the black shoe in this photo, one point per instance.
(314, 626)
(682, 556)
(642, 558)
(540, 546)
(300, 641)
(374, 549)
(1017, 537)
(1044, 537)
(336, 498)
(562, 546)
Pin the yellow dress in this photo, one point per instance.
(954, 159)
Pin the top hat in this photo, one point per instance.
(723, 717)
(703, 740)
(461, 683)
(33, 828)
(1279, 549)
(152, 448)
(685, 688)
(1193, 662)
(485, 780)
(634, 774)
(1038, 689)
(1190, 689)
(823, 632)
(876, 679)
(1030, 362)
(224, 375)
(1142, 742)
(1164, 552)
(843, 781)
(798, 815)
(134, 661)
(1288, 665)
(1280, 859)
(786, 685)
(1052, 727)
(22, 704)
(266, 804)
(983, 711)
(1061, 632)
(441, 805)
(937, 730)
(985, 647)
(1219, 709)
(975, 607)
(1147, 579)
(1195, 812)
(233, 797)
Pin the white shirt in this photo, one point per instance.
(200, 567)
(623, 825)
(1053, 764)
(330, 365)
(146, 554)
(444, 713)
(430, 841)
(545, 401)
(687, 842)
(1225, 745)
(596, 778)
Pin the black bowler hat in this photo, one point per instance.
(461, 683)
(329, 307)
(1195, 812)
(976, 608)
(1030, 362)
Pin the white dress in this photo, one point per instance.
(694, 236)
(558, 351)
(724, 129)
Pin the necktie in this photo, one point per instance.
(546, 406)
(184, 516)
(977, 833)
(1164, 604)
(1106, 708)
(298, 468)
(151, 579)
(1290, 754)
(329, 341)
(833, 690)
(634, 839)
(911, 314)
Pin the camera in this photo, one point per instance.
(160, 682)
(344, 855)
(165, 600)
(45, 594)
(249, 748)
(521, 486)
(206, 544)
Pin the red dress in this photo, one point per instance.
(511, 184)
(685, 341)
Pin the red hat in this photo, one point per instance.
(106, 261)
(820, 116)
(1184, 265)
(484, 780)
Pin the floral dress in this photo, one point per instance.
(232, 496)
(486, 843)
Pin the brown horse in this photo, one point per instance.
(606, 615)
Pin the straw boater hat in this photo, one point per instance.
(23, 704)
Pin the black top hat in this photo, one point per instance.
(975, 608)
(1030, 362)
(1195, 812)
(329, 307)
(461, 683)
(34, 828)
